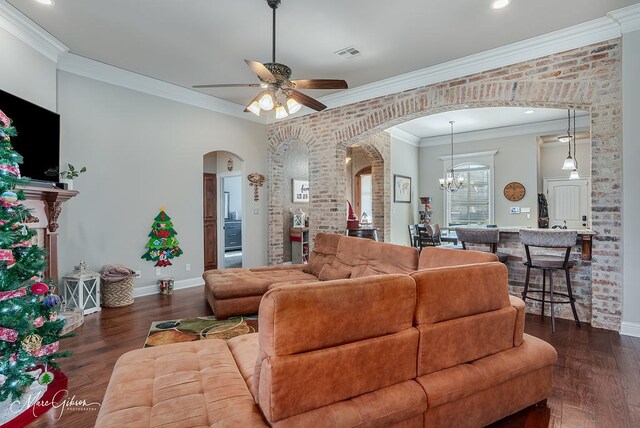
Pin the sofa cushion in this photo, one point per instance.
(384, 407)
(465, 379)
(298, 383)
(335, 313)
(171, 385)
(453, 292)
(244, 349)
(296, 368)
(324, 251)
(330, 272)
(243, 283)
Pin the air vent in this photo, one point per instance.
(348, 53)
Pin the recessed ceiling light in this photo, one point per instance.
(529, 112)
(47, 2)
(499, 4)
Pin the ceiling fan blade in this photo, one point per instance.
(263, 73)
(229, 85)
(306, 100)
(320, 84)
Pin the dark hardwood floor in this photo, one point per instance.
(596, 378)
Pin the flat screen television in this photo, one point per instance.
(38, 139)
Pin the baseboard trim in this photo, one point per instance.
(148, 290)
(630, 329)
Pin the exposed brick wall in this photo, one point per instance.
(587, 78)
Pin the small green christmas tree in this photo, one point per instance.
(162, 245)
(29, 328)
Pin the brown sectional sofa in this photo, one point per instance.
(441, 347)
(239, 291)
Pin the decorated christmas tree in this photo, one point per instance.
(29, 328)
(162, 245)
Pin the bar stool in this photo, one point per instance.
(413, 235)
(483, 236)
(548, 263)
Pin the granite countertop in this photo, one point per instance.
(516, 229)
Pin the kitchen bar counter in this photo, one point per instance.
(581, 275)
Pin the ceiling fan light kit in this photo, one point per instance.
(280, 92)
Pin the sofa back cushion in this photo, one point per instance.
(324, 343)
(434, 257)
(365, 257)
(324, 251)
(463, 313)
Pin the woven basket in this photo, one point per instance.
(117, 294)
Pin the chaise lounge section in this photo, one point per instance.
(440, 347)
(233, 292)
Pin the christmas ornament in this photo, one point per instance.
(39, 288)
(6, 255)
(8, 335)
(53, 316)
(38, 322)
(3, 378)
(9, 196)
(32, 343)
(46, 349)
(45, 378)
(4, 119)
(24, 244)
(10, 169)
(51, 301)
(6, 295)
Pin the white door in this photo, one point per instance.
(568, 202)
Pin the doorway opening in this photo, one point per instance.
(232, 210)
(223, 209)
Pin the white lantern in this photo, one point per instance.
(81, 289)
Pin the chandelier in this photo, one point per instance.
(450, 182)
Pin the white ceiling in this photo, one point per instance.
(471, 120)
(188, 42)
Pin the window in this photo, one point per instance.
(473, 203)
(470, 204)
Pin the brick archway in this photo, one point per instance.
(587, 78)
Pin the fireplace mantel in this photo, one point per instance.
(52, 199)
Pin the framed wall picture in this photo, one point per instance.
(401, 189)
(300, 191)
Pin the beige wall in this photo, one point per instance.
(552, 156)
(26, 73)
(404, 161)
(142, 153)
(515, 160)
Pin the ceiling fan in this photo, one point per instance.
(280, 92)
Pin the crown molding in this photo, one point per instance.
(551, 126)
(24, 29)
(628, 18)
(474, 155)
(403, 136)
(587, 33)
(96, 70)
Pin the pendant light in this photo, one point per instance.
(450, 183)
(569, 163)
(574, 174)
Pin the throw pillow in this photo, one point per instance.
(329, 273)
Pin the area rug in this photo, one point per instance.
(200, 328)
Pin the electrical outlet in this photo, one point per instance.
(528, 216)
(187, 267)
(256, 211)
(158, 272)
